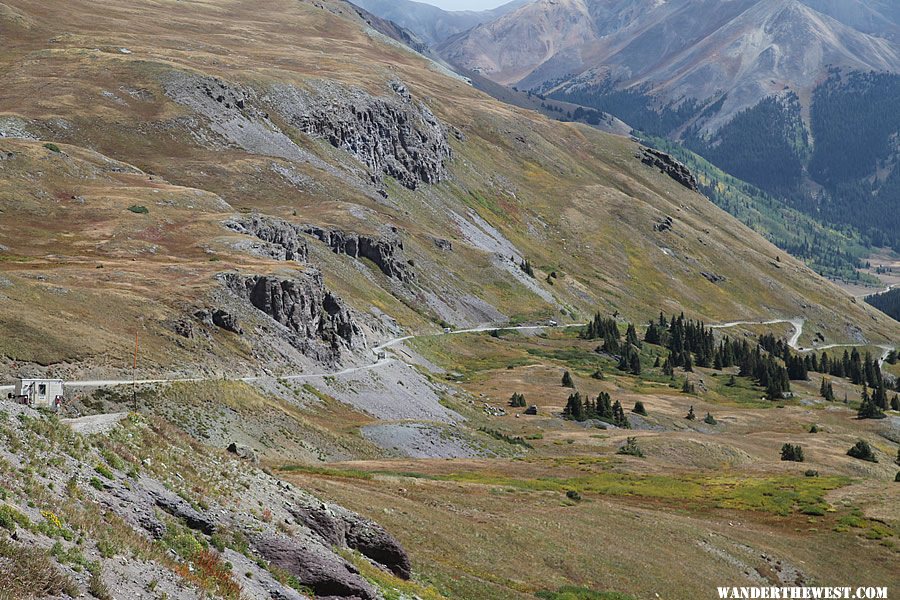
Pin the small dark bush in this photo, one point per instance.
(631, 448)
(52, 148)
(863, 451)
(139, 210)
(573, 495)
(793, 453)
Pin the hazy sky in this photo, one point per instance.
(466, 4)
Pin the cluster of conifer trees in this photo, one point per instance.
(770, 362)
(582, 408)
(691, 342)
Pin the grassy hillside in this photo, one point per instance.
(567, 198)
(160, 161)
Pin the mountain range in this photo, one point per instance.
(755, 86)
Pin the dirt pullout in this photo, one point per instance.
(422, 440)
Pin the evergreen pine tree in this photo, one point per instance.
(639, 408)
(567, 380)
(790, 452)
(863, 451)
(691, 416)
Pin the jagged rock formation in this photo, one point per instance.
(282, 240)
(328, 575)
(391, 135)
(343, 528)
(304, 306)
(671, 167)
(226, 321)
(386, 251)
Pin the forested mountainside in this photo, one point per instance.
(791, 96)
(887, 302)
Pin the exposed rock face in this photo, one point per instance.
(304, 306)
(283, 240)
(226, 321)
(328, 575)
(386, 251)
(392, 135)
(342, 528)
(176, 506)
(671, 167)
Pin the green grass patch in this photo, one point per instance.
(326, 471)
(391, 587)
(779, 495)
(139, 210)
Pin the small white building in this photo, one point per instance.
(38, 393)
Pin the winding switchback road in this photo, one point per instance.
(798, 323)
(380, 360)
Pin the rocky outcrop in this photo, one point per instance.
(443, 245)
(226, 321)
(392, 135)
(244, 452)
(669, 166)
(176, 506)
(712, 277)
(343, 528)
(303, 306)
(281, 240)
(664, 224)
(386, 251)
(328, 575)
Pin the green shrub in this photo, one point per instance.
(573, 496)
(791, 452)
(96, 587)
(710, 420)
(10, 517)
(631, 448)
(639, 408)
(104, 471)
(96, 483)
(863, 451)
(52, 148)
(31, 573)
(139, 210)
